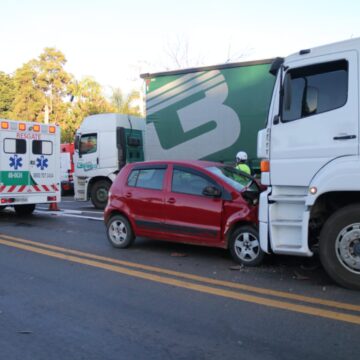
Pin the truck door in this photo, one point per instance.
(88, 153)
(319, 117)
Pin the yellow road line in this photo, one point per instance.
(191, 286)
(262, 291)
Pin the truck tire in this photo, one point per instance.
(244, 246)
(340, 246)
(24, 210)
(119, 232)
(99, 193)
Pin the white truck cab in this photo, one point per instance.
(29, 165)
(311, 161)
(104, 143)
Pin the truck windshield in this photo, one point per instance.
(232, 176)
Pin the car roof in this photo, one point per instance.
(197, 163)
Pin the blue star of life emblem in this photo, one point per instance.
(41, 162)
(15, 162)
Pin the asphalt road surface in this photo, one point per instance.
(65, 293)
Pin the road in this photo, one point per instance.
(65, 293)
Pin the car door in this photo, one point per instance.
(190, 215)
(144, 198)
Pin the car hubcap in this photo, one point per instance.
(347, 247)
(247, 246)
(117, 232)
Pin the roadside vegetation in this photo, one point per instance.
(43, 91)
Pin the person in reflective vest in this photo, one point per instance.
(241, 159)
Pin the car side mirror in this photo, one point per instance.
(211, 191)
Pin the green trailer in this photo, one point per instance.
(207, 113)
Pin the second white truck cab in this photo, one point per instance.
(312, 165)
(104, 143)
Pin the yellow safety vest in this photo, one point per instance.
(244, 168)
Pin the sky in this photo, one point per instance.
(114, 41)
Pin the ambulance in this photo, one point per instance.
(29, 165)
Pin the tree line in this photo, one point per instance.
(42, 91)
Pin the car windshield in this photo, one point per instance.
(232, 176)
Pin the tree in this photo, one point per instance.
(7, 94)
(53, 81)
(86, 99)
(126, 104)
(28, 103)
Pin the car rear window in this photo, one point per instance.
(147, 178)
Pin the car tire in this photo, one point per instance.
(339, 246)
(99, 193)
(119, 232)
(244, 246)
(24, 210)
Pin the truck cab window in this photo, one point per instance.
(314, 89)
(88, 144)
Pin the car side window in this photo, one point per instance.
(188, 183)
(147, 178)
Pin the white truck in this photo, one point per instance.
(311, 160)
(104, 143)
(29, 165)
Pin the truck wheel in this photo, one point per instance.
(245, 247)
(340, 246)
(23, 210)
(99, 193)
(119, 232)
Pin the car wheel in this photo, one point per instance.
(245, 247)
(99, 194)
(119, 232)
(23, 210)
(340, 247)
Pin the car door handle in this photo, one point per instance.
(344, 137)
(171, 201)
(128, 195)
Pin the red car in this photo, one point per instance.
(195, 202)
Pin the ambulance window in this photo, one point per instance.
(14, 146)
(40, 147)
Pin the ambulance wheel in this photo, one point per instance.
(23, 210)
(99, 193)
